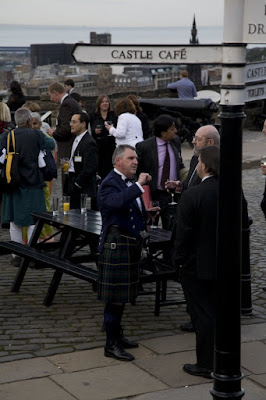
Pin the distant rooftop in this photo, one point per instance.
(14, 49)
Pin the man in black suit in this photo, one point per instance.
(83, 161)
(154, 153)
(123, 228)
(206, 135)
(68, 107)
(195, 250)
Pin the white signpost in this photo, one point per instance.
(254, 26)
(255, 79)
(140, 54)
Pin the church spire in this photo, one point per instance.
(194, 31)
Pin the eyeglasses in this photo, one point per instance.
(200, 139)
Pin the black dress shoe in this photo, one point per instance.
(194, 369)
(116, 351)
(125, 343)
(128, 344)
(187, 327)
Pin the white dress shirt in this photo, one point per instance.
(74, 146)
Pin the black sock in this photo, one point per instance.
(112, 318)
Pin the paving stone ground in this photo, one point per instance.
(73, 322)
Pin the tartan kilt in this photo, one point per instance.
(118, 269)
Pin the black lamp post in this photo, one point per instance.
(227, 374)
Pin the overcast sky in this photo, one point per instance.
(113, 13)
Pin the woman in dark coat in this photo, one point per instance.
(105, 143)
(16, 98)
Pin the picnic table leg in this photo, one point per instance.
(20, 275)
(157, 298)
(25, 262)
(58, 274)
(52, 288)
(164, 290)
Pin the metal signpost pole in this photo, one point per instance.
(227, 374)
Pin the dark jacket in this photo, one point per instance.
(28, 143)
(15, 101)
(85, 170)
(63, 134)
(118, 206)
(148, 158)
(105, 143)
(145, 124)
(96, 119)
(192, 177)
(196, 230)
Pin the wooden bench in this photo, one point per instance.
(45, 259)
(163, 273)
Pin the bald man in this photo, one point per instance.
(206, 135)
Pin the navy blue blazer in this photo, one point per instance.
(118, 206)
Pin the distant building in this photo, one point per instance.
(52, 53)
(100, 38)
(150, 76)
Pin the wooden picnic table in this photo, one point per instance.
(76, 231)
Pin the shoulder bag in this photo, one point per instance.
(9, 179)
(49, 171)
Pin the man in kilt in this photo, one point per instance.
(123, 228)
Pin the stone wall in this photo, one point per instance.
(252, 109)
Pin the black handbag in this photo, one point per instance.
(9, 179)
(49, 171)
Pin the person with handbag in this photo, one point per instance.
(47, 189)
(28, 196)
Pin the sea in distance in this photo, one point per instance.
(25, 35)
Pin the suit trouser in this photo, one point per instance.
(168, 212)
(200, 297)
(75, 193)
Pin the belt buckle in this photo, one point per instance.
(112, 246)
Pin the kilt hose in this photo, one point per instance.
(118, 269)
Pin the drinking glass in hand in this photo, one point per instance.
(110, 123)
(171, 186)
(153, 211)
(98, 129)
(65, 164)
